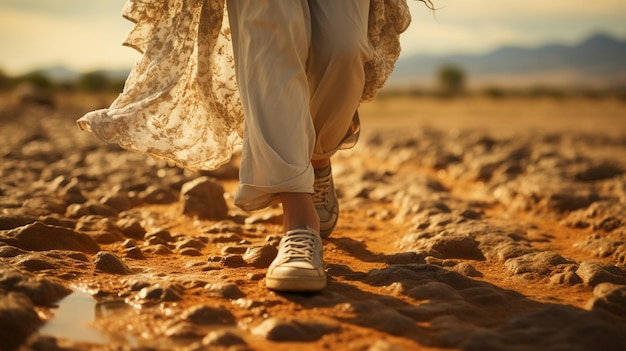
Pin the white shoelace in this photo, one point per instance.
(298, 245)
(321, 186)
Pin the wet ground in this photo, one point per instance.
(465, 224)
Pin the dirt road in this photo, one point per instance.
(465, 224)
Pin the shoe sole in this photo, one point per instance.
(324, 234)
(295, 284)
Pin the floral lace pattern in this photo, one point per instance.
(180, 102)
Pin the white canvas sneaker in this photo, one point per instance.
(325, 201)
(299, 265)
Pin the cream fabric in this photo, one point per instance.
(300, 70)
(181, 102)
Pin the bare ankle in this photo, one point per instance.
(298, 210)
(319, 164)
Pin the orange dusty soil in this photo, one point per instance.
(394, 282)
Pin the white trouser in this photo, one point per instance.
(299, 66)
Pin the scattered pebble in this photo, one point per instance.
(109, 263)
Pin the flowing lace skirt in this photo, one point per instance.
(180, 102)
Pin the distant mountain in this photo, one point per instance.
(116, 74)
(58, 74)
(599, 60)
(61, 74)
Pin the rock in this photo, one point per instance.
(131, 228)
(498, 244)
(609, 297)
(484, 296)
(260, 256)
(164, 235)
(456, 333)
(190, 243)
(190, 251)
(28, 93)
(18, 319)
(561, 327)
(408, 257)
(225, 290)
(433, 291)
(102, 229)
(38, 342)
(234, 249)
(248, 304)
(228, 170)
(14, 221)
(135, 253)
(295, 330)
(109, 263)
(154, 240)
(233, 261)
(10, 251)
(619, 255)
(599, 246)
(570, 199)
(225, 227)
(477, 339)
(39, 237)
(41, 291)
(445, 244)
(205, 315)
(223, 338)
(225, 238)
(182, 330)
(430, 310)
(35, 262)
(158, 249)
(44, 206)
(72, 192)
(388, 321)
(90, 208)
(134, 283)
(204, 198)
(161, 292)
(413, 274)
(467, 270)
(118, 201)
(52, 259)
(594, 273)
(567, 278)
(441, 220)
(128, 243)
(600, 171)
(542, 263)
(159, 195)
(58, 221)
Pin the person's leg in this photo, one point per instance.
(322, 163)
(339, 51)
(271, 45)
(298, 210)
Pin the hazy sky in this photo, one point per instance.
(86, 34)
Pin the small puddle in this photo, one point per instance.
(77, 311)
